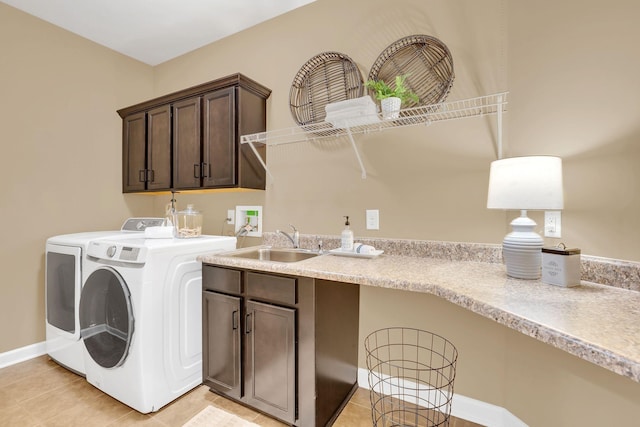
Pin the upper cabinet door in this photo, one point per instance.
(187, 168)
(219, 143)
(159, 148)
(133, 153)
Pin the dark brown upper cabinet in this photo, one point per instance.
(190, 139)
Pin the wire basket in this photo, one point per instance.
(424, 60)
(411, 374)
(326, 78)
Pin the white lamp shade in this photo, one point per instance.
(529, 183)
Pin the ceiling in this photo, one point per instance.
(155, 31)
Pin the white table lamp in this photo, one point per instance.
(525, 183)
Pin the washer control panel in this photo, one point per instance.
(128, 253)
(117, 251)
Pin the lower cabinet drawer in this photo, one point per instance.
(221, 279)
(272, 288)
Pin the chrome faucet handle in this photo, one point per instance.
(296, 237)
(320, 250)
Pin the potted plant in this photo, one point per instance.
(391, 99)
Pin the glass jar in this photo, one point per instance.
(188, 223)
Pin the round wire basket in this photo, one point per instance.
(411, 374)
(327, 77)
(424, 60)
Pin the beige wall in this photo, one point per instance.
(572, 73)
(571, 70)
(428, 183)
(61, 165)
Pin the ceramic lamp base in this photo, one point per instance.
(522, 249)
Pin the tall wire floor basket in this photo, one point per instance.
(411, 374)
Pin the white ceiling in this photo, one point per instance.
(154, 31)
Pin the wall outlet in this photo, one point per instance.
(553, 223)
(231, 216)
(373, 219)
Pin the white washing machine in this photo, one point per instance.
(64, 257)
(141, 317)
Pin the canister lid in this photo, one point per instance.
(561, 249)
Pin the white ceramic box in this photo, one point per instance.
(561, 266)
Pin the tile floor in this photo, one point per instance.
(40, 393)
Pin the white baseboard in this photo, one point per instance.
(18, 355)
(468, 409)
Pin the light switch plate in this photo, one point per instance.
(553, 223)
(373, 219)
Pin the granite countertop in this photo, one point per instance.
(598, 323)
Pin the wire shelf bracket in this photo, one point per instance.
(423, 115)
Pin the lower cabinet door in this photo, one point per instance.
(221, 339)
(270, 370)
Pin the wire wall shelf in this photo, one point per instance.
(364, 124)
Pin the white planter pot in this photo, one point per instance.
(390, 107)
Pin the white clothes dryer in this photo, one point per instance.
(140, 317)
(64, 255)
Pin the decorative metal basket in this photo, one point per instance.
(326, 78)
(411, 375)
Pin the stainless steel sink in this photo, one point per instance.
(275, 254)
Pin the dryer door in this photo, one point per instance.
(106, 317)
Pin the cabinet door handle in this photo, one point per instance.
(196, 171)
(247, 323)
(142, 175)
(152, 175)
(204, 170)
(234, 320)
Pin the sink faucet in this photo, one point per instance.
(294, 237)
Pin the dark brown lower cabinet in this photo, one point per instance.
(223, 360)
(284, 345)
(271, 364)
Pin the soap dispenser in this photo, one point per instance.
(347, 237)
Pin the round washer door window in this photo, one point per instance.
(106, 317)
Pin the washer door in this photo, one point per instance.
(106, 317)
